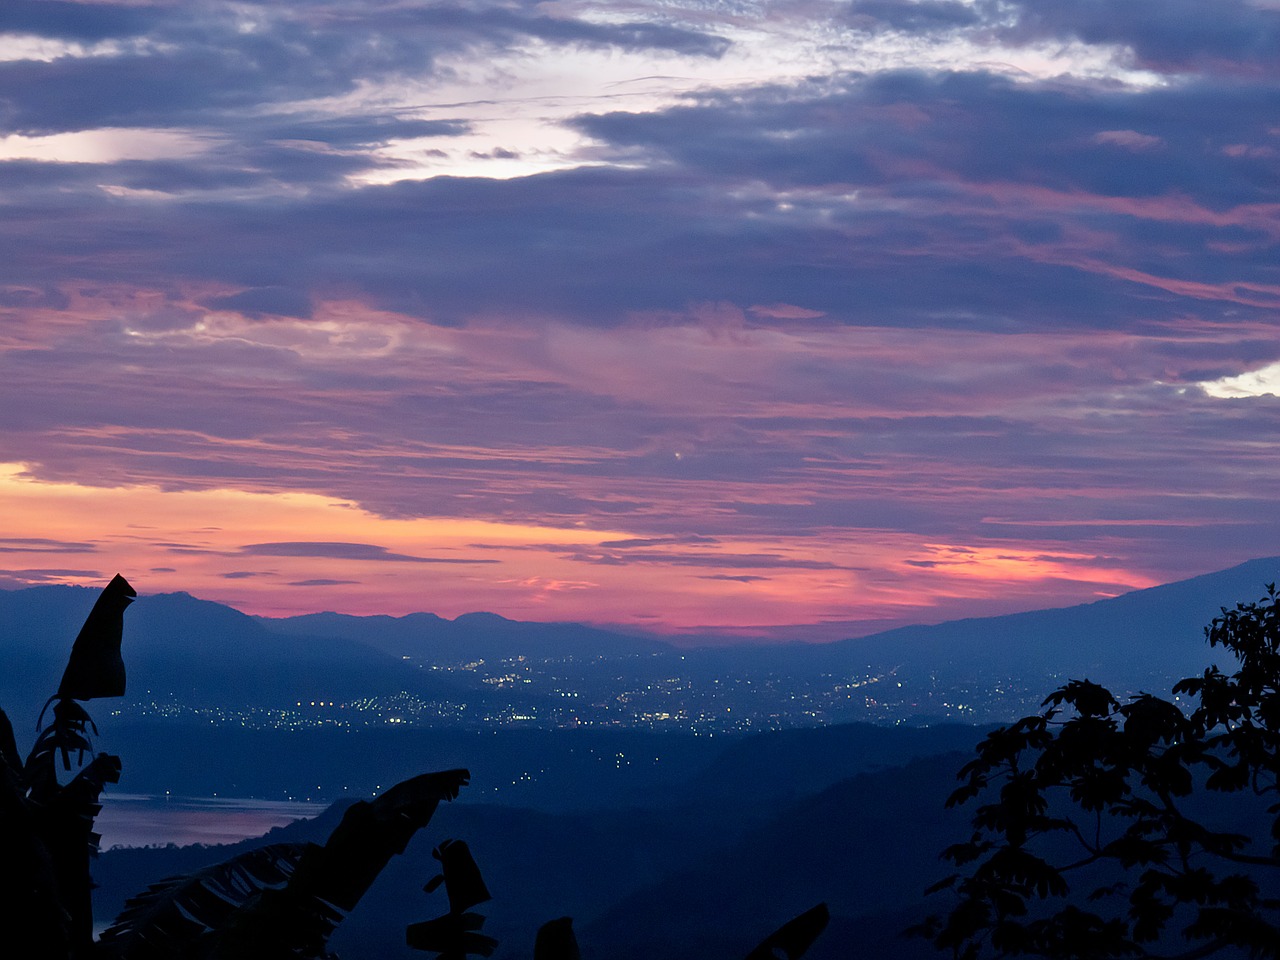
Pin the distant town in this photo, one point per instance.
(636, 691)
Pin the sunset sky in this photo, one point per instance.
(765, 319)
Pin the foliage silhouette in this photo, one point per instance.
(556, 941)
(794, 938)
(455, 935)
(46, 827)
(279, 901)
(276, 902)
(1110, 829)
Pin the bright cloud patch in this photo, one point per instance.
(104, 146)
(1256, 383)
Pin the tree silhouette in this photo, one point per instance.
(1148, 828)
(276, 902)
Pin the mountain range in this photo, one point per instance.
(658, 843)
(202, 652)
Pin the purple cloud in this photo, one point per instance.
(42, 545)
(345, 551)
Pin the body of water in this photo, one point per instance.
(140, 820)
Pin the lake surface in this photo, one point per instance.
(139, 820)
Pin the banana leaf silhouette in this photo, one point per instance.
(10, 759)
(282, 901)
(463, 884)
(31, 907)
(46, 828)
(793, 939)
(555, 941)
(96, 668)
(455, 935)
(174, 916)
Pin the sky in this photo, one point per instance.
(753, 319)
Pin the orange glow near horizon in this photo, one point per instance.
(280, 554)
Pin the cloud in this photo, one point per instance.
(1230, 36)
(762, 561)
(919, 16)
(186, 63)
(871, 276)
(1264, 382)
(264, 301)
(42, 545)
(1128, 139)
(22, 578)
(346, 551)
(656, 541)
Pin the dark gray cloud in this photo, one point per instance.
(1006, 204)
(201, 63)
(260, 301)
(78, 21)
(1231, 36)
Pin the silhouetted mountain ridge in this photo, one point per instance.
(1142, 639)
(206, 653)
(180, 645)
(470, 636)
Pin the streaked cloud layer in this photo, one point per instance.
(717, 316)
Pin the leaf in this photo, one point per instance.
(795, 937)
(1090, 699)
(946, 883)
(371, 833)
(96, 668)
(67, 734)
(453, 936)
(168, 919)
(462, 881)
(555, 941)
(9, 746)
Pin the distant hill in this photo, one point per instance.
(203, 652)
(1127, 639)
(1138, 640)
(470, 636)
(867, 846)
(210, 653)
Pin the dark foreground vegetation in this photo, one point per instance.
(1148, 828)
(1143, 828)
(281, 900)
